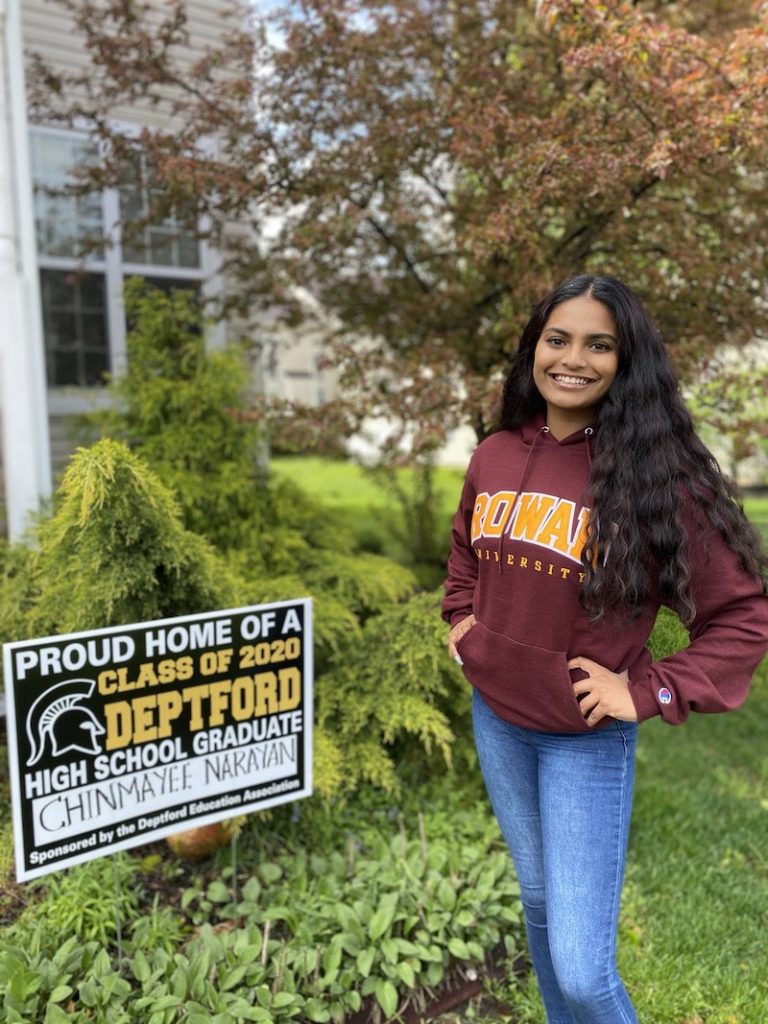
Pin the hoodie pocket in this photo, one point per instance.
(530, 686)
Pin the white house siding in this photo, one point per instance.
(49, 30)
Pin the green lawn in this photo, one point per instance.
(369, 510)
(696, 905)
(757, 510)
(347, 484)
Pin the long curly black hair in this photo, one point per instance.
(652, 478)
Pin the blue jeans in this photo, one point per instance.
(563, 803)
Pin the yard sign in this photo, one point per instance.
(119, 736)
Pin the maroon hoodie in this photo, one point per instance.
(516, 564)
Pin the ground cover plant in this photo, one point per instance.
(380, 919)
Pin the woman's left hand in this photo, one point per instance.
(606, 692)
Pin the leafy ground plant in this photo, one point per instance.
(386, 923)
(380, 923)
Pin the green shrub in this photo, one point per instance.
(18, 589)
(398, 690)
(116, 551)
(366, 584)
(89, 902)
(181, 522)
(413, 517)
(173, 406)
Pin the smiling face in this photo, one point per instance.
(575, 363)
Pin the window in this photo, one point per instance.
(62, 222)
(165, 243)
(75, 327)
(83, 320)
(74, 322)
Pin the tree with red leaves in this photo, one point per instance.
(427, 169)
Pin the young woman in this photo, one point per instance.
(592, 505)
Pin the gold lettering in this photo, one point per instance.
(193, 695)
(117, 716)
(266, 693)
(147, 676)
(498, 513)
(532, 511)
(556, 533)
(243, 698)
(290, 688)
(107, 681)
(219, 701)
(478, 516)
(169, 705)
(143, 729)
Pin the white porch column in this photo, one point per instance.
(23, 404)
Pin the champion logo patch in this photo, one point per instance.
(665, 697)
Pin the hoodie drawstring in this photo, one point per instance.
(518, 492)
(588, 434)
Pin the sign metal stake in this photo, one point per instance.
(233, 851)
(118, 915)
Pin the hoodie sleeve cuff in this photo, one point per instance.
(458, 616)
(644, 700)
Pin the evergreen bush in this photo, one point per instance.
(173, 405)
(170, 517)
(115, 551)
(412, 517)
(398, 693)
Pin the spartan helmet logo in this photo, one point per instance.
(58, 716)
